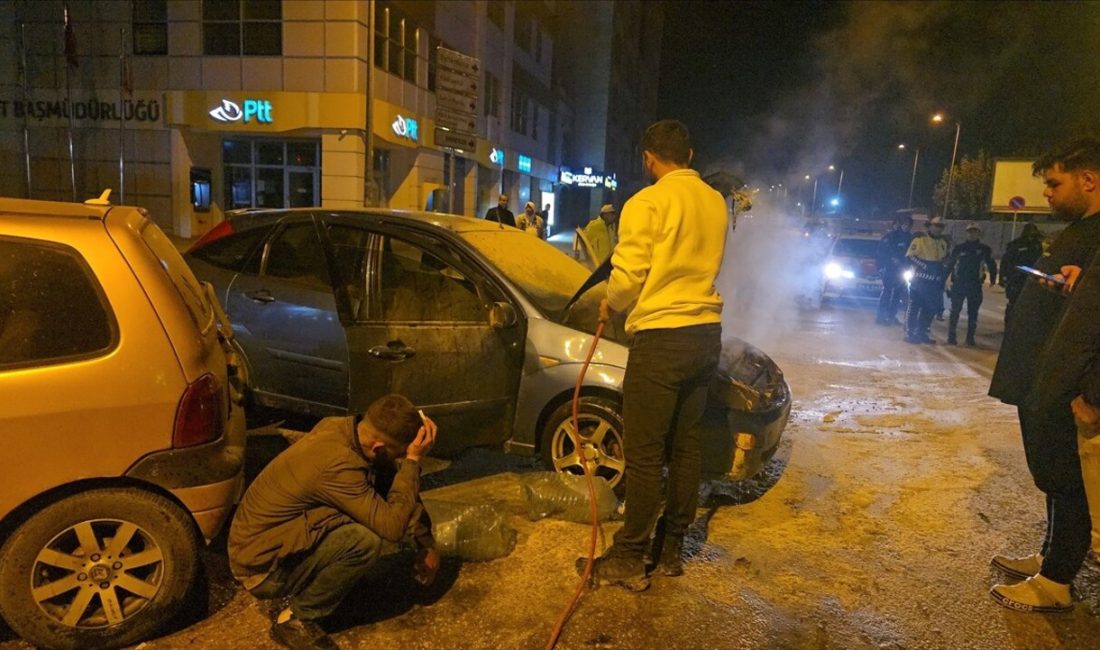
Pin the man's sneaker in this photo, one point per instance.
(970, 342)
(1032, 596)
(616, 570)
(1018, 567)
(302, 635)
(951, 340)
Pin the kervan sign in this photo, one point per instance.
(589, 178)
(258, 110)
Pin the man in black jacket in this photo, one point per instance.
(965, 276)
(501, 214)
(891, 264)
(1072, 179)
(1022, 251)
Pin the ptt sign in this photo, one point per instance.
(258, 110)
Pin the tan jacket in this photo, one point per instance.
(321, 482)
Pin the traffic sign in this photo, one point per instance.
(455, 140)
(458, 62)
(456, 82)
(1017, 203)
(455, 121)
(448, 101)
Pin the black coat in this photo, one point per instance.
(1037, 313)
(965, 263)
(503, 215)
(891, 250)
(1022, 251)
(1070, 364)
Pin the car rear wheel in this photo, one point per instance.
(601, 431)
(100, 569)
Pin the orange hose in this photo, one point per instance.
(575, 435)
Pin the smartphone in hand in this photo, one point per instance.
(1036, 273)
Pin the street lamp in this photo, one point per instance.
(938, 119)
(913, 179)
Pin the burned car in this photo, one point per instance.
(469, 319)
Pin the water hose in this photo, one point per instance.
(575, 435)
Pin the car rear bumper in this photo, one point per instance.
(210, 504)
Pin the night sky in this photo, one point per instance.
(774, 91)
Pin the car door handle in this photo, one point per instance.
(392, 351)
(262, 295)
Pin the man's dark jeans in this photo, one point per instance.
(925, 299)
(664, 394)
(893, 294)
(972, 294)
(1050, 445)
(318, 579)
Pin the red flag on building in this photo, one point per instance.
(70, 40)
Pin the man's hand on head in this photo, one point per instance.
(422, 444)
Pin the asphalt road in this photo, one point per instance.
(873, 527)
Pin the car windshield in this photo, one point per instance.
(545, 274)
(855, 248)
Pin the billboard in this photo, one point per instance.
(1015, 189)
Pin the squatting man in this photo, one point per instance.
(313, 522)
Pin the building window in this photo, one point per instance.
(397, 45)
(265, 173)
(524, 27)
(521, 106)
(242, 27)
(496, 13)
(149, 26)
(492, 95)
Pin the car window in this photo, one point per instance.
(349, 247)
(855, 247)
(234, 251)
(52, 307)
(295, 254)
(179, 274)
(416, 285)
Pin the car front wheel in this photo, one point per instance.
(100, 569)
(601, 433)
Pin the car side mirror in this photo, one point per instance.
(502, 315)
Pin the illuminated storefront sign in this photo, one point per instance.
(406, 127)
(496, 156)
(589, 178)
(524, 163)
(253, 109)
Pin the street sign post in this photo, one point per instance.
(455, 140)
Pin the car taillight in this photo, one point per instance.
(223, 229)
(199, 416)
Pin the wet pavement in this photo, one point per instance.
(872, 528)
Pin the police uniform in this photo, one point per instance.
(927, 254)
(966, 267)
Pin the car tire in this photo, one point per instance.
(598, 416)
(47, 567)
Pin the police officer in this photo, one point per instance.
(966, 273)
(926, 253)
(891, 263)
(1025, 250)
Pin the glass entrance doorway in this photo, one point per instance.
(262, 173)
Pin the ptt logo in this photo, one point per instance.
(254, 109)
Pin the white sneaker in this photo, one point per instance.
(1018, 567)
(1036, 594)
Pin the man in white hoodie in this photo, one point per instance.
(672, 237)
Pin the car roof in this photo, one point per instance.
(452, 222)
(58, 209)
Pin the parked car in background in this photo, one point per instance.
(123, 445)
(850, 270)
(468, 319)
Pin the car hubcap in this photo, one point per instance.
(97, 573)
(601, 449)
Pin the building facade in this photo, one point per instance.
(191, 108)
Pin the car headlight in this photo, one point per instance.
(908, 275)
(834, 271)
